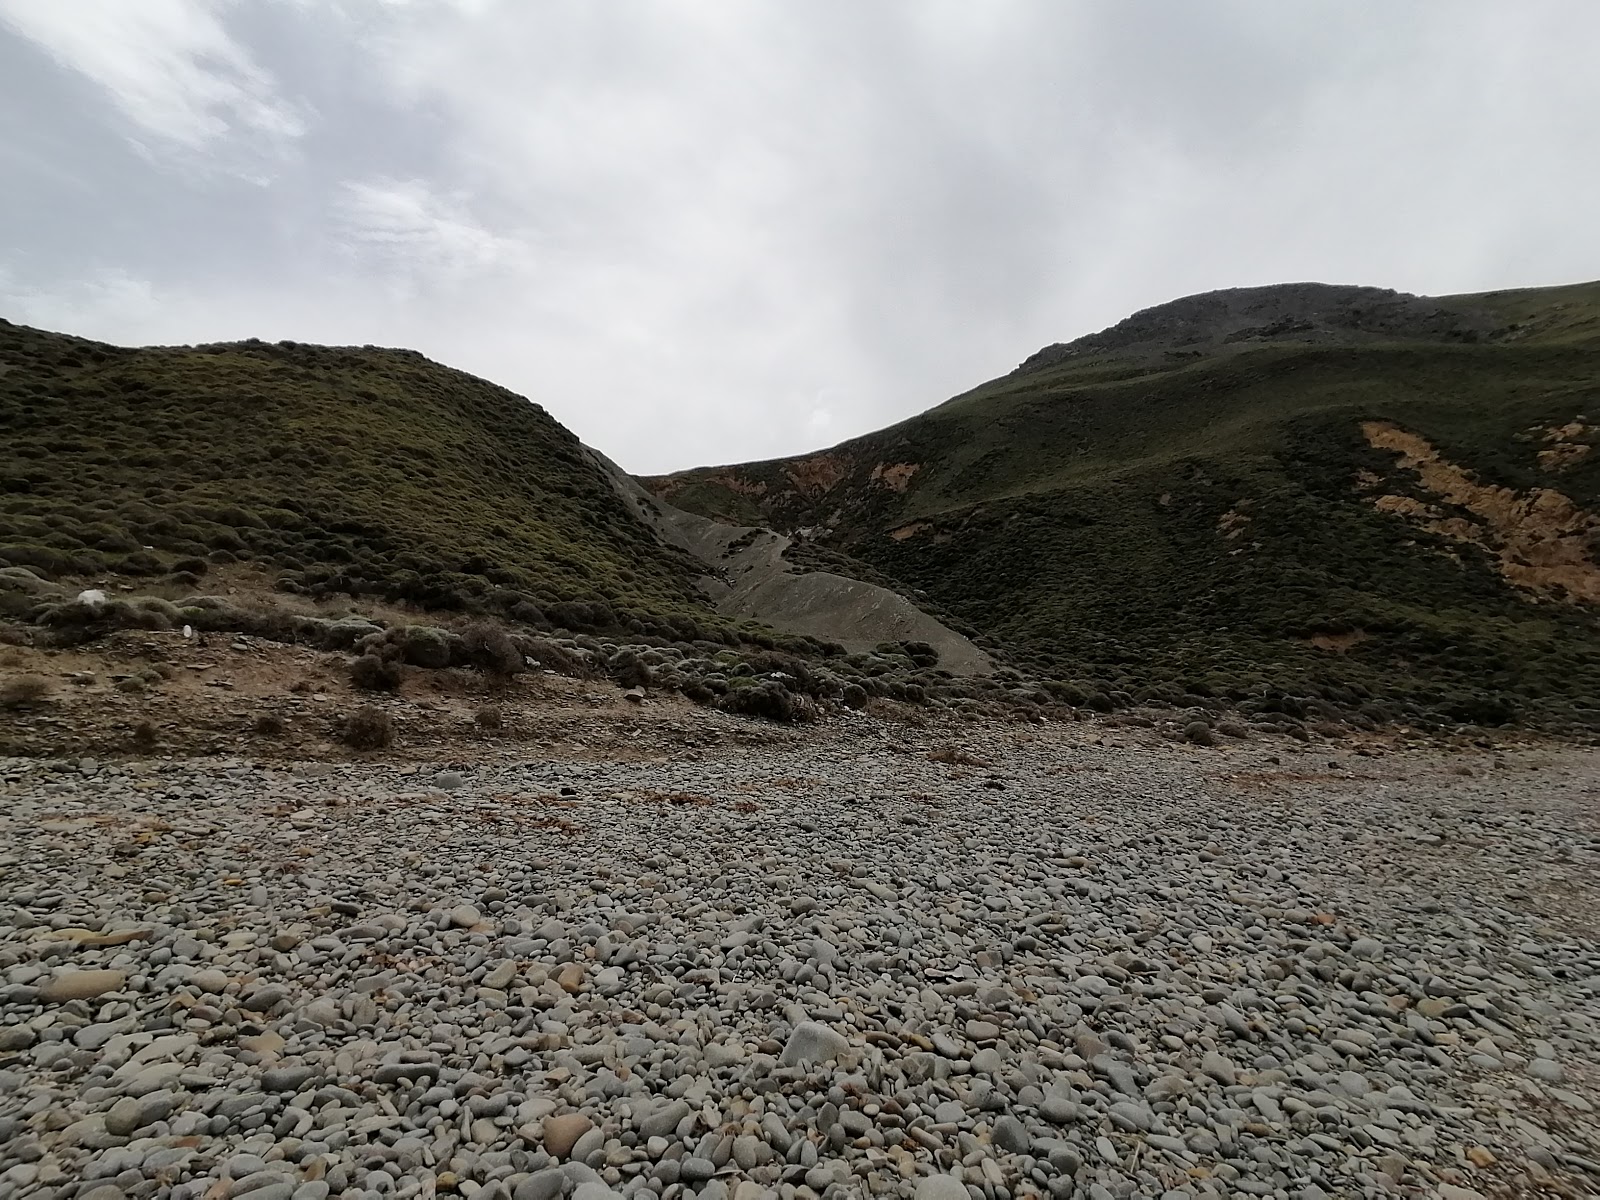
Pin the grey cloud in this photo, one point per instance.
(724, 230)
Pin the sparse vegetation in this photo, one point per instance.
(268, 724)
(368, 728)
(24, 692)
(489, 718)
(371, 673)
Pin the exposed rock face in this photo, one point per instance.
(1540, 538)
(748, 576)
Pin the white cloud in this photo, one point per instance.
(109, 304)
(172, 70)
(418, 235)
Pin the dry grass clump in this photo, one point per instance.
(25, 691)
(368, 728)
(268, 724)
(489, 718)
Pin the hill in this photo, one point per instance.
(359, 471)
(383, 487)
(1290, 497)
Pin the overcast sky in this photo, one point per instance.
(720, 230)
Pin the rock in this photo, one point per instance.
(449, 781)
(1546, 1070)
(132, 1113)
(547, 1184)
(1010, 1135)
(1059, 1111)
(812, 1042)
(287, 1078)
(561, 1133)
(570, 978)
(501, 975)
(392, 1073)
(662, 1121)
(941, 1187)
(323, 1013)
(1368, 948)
(264, 999)
(209, 980)
(1219, 1068)
(465, 916)
(81, 985)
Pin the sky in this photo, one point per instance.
(709, 231)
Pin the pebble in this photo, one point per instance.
(812, 1042)
(81, 985)
(561, 1133)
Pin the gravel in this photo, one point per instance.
(833, 968)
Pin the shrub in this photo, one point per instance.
(553, 657)
(1199, 733)
(489, 717)
(770, 700)
(490, 648)
(269, 725)
(373, 674)
(631, 671)
(425, 646)
(26, 691)
(145, 735)
(368, 728)
(853, 696)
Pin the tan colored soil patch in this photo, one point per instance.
(1540, 538)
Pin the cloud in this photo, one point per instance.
(730, 229)
(406, 228)
(169, 67)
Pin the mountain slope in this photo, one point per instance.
(374, 473)
(365, 471)
(1302, 491)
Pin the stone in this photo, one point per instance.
(264, 999)
(133, 1113)
(812, 1042)
(1219, 1067)
(547, 1184)
(662, 1121)
(501, 975)
(449, 781)
(81, 985)
(287, 1078)
(941, 1187)
(1059, 1110)
(1368, 948)
(1010, 1135)
(1546, 1070)
(561, 1133)
(465, 916)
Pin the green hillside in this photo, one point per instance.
(358, 471)
(1208, 500)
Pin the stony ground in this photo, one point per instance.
(1052, 962)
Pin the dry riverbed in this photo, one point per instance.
(863, 959)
